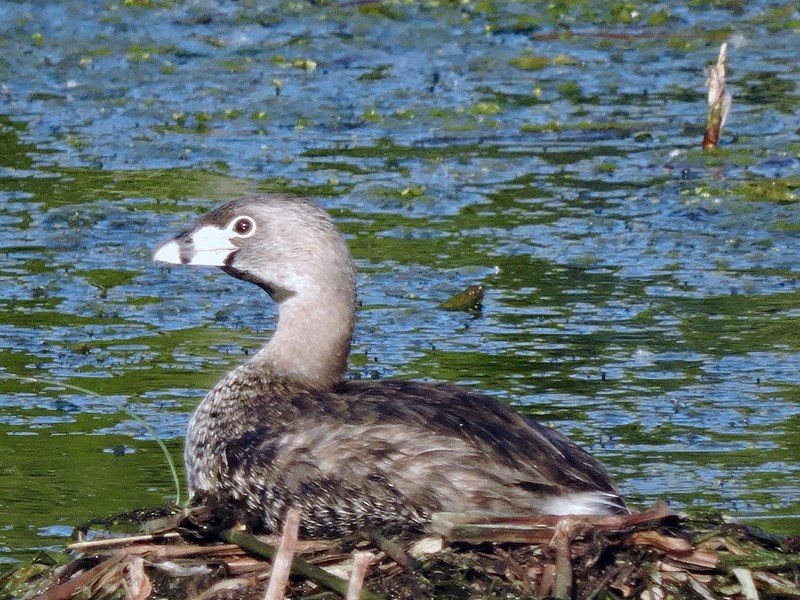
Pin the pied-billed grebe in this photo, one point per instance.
(284, 429)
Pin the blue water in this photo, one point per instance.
(642, 296)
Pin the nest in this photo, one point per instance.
(652, 555)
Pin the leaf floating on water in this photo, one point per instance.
(470, 298)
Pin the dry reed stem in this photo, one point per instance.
(225, 588)
(282, 565)
(301, 568)
(361, 560)
(109, 543)
(68, 589)
(538, 529)
(659, 541)
(719, 101)
(137, 585)
(745, 578)
(562, 541)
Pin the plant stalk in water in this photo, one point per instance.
(127, 411)
(719, 101)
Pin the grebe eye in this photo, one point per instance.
(244, 226)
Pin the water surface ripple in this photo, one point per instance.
(641, 296)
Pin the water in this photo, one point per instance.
(641, 296)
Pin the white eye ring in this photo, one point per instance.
(242, 227)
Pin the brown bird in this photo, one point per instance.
(286, 429)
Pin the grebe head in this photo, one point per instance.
(290, 248)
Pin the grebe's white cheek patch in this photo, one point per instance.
(168, 253)
(211, 247)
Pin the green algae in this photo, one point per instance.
(530, 62)
(468, 299)
(780, 191)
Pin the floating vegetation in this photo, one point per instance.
(779, 191)
(531, 62)
(649, 555)
(468, 299)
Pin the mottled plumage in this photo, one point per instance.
(284, 430)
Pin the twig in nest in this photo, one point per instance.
(393, 550)
(137, 585)
(110, 543)
(361, 561)
(282, 564)
(301, 568)
(562, 538)
(537, 529)
(68, 589)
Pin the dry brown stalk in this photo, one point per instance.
(108, 543)
(562, 542)
(301, 568)
(137, 585)
(282, 565)
(361, 560)
(719, 101)
(476, 528)
(68, 589)
(654, 539)
(226, 588)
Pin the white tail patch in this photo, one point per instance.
(581, 503)
(168, 253)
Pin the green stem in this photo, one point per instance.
(124, 409)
